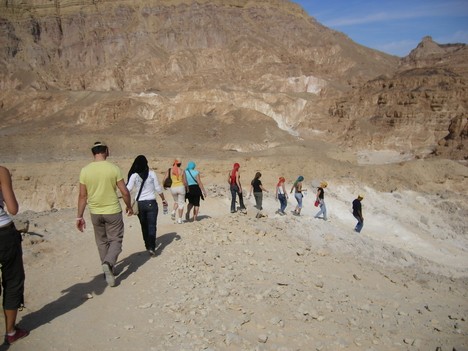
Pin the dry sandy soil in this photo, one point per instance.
(234, 282)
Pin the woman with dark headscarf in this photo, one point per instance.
(236, 188)
(146, 186)
(297, 187)
(196, 190)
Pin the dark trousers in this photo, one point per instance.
(234, 193)
(283, 202)
(11, 262)
(148, 215)
(359, 224)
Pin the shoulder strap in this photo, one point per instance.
(141, 188)
(192, 176)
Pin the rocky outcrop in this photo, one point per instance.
(133, 67)
(421, 109)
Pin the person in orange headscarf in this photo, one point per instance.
(178, 189)
(236, 188)
(282, 196)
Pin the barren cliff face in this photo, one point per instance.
(422, 108)
(87, 68)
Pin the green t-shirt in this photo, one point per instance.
(100, 179)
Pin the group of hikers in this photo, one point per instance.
(98, 184)
(256, 187)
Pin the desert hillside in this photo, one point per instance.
(263, 84)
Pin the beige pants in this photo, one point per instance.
(108, 232)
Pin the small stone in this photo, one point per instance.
(262, 338)
(129, 327)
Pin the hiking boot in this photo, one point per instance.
(19, 334)
(110, 278)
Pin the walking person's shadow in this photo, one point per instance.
(76, 295)
(165, 240)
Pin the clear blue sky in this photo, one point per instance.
(393, 26)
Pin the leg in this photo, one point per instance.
(195, 213)
(189, 208)
(233, 198)
(11, 263)
(10, 320)
(143, 218)
(181, 203)
(100, 235)
(115, 232)
(241, 200)
(152, 217)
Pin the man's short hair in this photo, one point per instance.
(99, 148)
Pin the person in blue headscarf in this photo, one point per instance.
(196, 190)
(297, 187)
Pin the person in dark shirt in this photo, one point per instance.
(257, 188)
(357, 213)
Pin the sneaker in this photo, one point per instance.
(152, 252)
(179, 220)
(233, 211)
(173, 215)
(110, 279)
(19, 334)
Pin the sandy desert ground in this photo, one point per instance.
(235, 282)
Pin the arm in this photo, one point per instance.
(263, 189)
(238, 182)
(7, 191)
(158, 189)
(200, 184)
(284, 191)
(131, 182)
(82, 201)
(125, 196)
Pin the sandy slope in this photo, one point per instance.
(234, 282)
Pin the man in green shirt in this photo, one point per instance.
(99, 181)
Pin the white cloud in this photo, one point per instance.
(446, 9)
(399, 48)
(457, 37)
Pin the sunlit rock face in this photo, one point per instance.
(138, 67)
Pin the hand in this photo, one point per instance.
(80, 224)
(129, 211)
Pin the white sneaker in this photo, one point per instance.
(179, 221)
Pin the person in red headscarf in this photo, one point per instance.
(236, 188)
(282, 196)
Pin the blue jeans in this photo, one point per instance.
(148, 215)
(323, 210)
(283, 202)
(359, 224)
(234, 192)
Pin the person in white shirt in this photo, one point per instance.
(146, 186)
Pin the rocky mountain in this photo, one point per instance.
(422, 107)
(240, 74)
